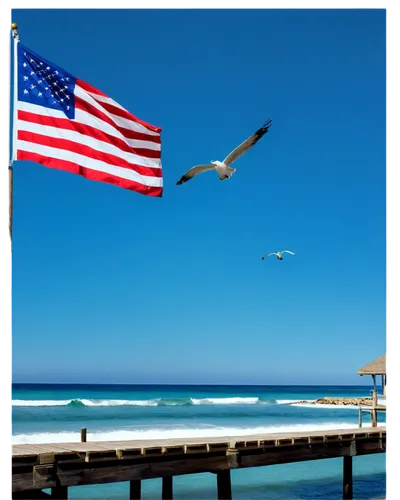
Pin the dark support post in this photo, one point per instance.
(167, 488)
(224, 485)
(83, 435)
(347, 477)
(134, 490)
(374, 394)
(374, 403)
(359, 416)
(59, 493)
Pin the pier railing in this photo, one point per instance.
(373, 412)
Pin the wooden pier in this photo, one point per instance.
(61, 465)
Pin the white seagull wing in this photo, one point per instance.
(288, 251)
(198, 169)
(247, 144)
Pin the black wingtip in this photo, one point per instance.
(182, 180)
(267, 124)
(264, 129)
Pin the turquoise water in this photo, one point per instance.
(55, 413)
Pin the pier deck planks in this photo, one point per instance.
(34, 449)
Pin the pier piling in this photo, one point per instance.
(135, 490)
(224, 485)
(373, 414)
(347, 477)
(167, 488)
(59, 493)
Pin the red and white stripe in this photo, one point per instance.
(104, 142)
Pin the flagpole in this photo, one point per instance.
(14, 31)
(12, 38)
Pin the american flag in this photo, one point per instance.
(63, 122)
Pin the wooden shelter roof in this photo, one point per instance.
(376, 367)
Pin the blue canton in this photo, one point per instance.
(45, 84)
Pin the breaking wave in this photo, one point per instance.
(153, 402)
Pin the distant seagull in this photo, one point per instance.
(279, 254)
(222, 167)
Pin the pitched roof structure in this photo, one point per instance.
(376, 367)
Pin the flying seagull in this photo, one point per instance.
(278, 254)
(223, 168)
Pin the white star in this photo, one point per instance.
(33, 86)
(67, 96)
(26, 91)
(47, 67)
(67, 78)
(25, 65)
(31, 60)
(46, 88)
(56, 72)
(32, 72)
(62, 100)
(41, 64)
(25, 78)
(40, 94)
(40, 81)
(67, 107)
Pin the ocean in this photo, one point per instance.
(44, 413)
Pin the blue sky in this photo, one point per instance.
(112, 286)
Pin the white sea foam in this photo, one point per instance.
(147, 402)
(119, 402)
(225, 401)
(85, 402)
(176, 432)
(23, 402)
